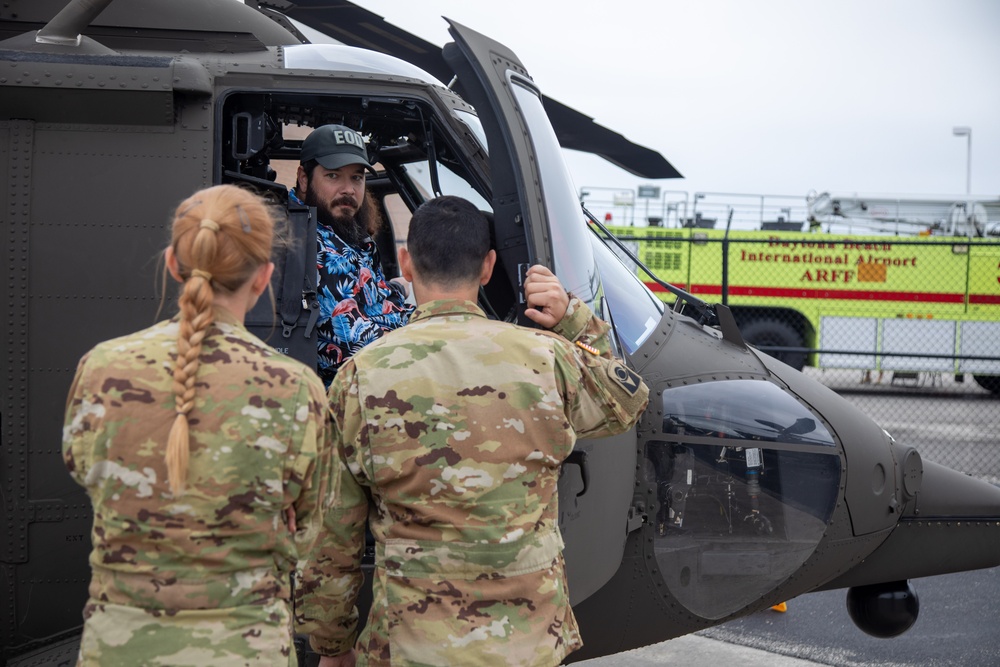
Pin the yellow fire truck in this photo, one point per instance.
(918, 291)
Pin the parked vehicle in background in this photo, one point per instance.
(873, 283)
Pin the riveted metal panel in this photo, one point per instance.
(92, 202)
(48, 88)
(137, 73)
(17, 163)
(116, 219)
(15, 176)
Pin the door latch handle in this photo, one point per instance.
(578, 457)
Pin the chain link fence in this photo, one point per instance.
(906, 326)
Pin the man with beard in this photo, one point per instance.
(357, 304)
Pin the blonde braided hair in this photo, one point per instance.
(221, 236)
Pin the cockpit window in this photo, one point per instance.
(634, 310)
(472, 120)
(742, 491)
(572, 254)
(419, 176)
(721, 410)
(336, 57)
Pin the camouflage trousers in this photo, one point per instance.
(445, 604)
(116, 635)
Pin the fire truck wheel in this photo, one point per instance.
(989, 382)
(769, 332)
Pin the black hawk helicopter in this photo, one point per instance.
(745, 483)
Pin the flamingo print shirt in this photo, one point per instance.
(357, 305)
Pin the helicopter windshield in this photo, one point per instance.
(720, 409)
(743, 491)
(634, 310)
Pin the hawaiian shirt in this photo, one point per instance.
(357, 304)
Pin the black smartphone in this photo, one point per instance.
(522, 274)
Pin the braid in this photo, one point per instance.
(196, 316)
(220, 237)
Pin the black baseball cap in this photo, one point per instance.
(335, 146)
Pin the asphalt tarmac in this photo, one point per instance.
(958, 626)
(696, 651)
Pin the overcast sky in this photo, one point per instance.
(767, 97)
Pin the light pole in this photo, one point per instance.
(965, 131)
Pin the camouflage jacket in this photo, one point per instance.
(202, 578)
(456, 426)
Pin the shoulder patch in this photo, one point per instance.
(628, 380)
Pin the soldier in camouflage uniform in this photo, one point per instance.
(206, 455)
(449, 434)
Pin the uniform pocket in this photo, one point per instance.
(464, 560)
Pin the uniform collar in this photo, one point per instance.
(225, 317)
(221, 316)
(444, 307)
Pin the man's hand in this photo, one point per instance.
(546, 297)
(343, 660)
(404, 285)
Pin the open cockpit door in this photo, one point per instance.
(538, 220)
(486, 72)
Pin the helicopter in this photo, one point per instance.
(745, 483)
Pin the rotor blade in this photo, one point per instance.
(350, 24)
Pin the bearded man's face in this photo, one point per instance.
(338, 195)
